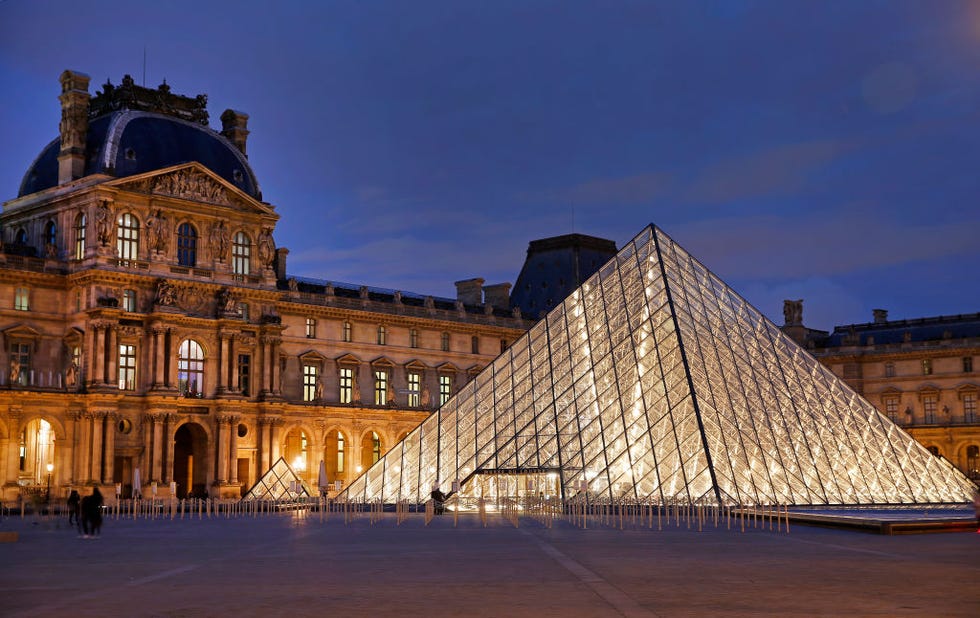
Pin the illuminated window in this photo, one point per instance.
(244, 368)
(414, 389)
(241, 251)
(969, 407)
(382, 335)
(127, 367)
(973, 461)
(79, 252)
(347, 332)
(22, 299)
(129, 300)
(375, 447)
(380, 387)
(340, 452)
(445, 388)
(311, 373)
(186, 245)
(346, 385)
(475, 344)
(127, 237)
(413, 338)
(929, 408)
(445, 342)
(926, 366)
(311, 328)
(190, 368)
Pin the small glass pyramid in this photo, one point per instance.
(279, 483)
(655, 381)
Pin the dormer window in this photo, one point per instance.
(130, 154)
(237, 175)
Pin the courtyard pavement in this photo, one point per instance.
(289, 565)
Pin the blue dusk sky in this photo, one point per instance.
(824, 150)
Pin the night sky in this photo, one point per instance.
(818, 150)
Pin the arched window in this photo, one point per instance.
(973, 461)
(340, 452)
(21, 238)
(186, 245)
(50, 237)
(241, 252)
(79, 252)
(375, 447)
(190, 368)
(128, 237)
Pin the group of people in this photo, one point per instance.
(86, 513)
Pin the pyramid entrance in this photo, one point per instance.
(655, 382)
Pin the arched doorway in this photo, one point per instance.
(191, 461)
(370, 450)
(296, 452)
(335, 454)
(36, 452)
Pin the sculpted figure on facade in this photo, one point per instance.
(426, 397)
(14, 370)
(219, 238)
(166, 293)
(104, 222)
(267, 248)
(157, 231)
(71, 375)
(793, 312)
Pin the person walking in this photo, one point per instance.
(74, 508)
(92, 514)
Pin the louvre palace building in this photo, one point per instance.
(149, 326)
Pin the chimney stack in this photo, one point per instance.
(497, 295)
(234, 126)
(881, 315)
(74, 125)
(470, 291)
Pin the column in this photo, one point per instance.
(275, 386)
(146, 469)
(83, 458)
(112, 333)
(156, 475)
(98, 366)
(71, 446)
(110, 448)
(221, 423)
(276, 437)
(91, 367)
(263, 369)
(233, 450)
(262, 445)
(96, 422)
(169, 368)
(158, 357)
(168, 451)
(232, 365)
(222, 361)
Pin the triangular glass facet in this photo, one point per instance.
(278, 483)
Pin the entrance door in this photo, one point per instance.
(190, 461)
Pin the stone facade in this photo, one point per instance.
(920, 373)
(147, 323)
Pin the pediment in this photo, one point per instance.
(416, 364)
(22, 330)
(194, 182)
(447, 367)
(347, 359)
(382, 361)
(312, 355)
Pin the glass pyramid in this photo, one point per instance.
(279, 483)
(656, 381)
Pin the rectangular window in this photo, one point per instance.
(380, 387)
(445, 342)
(414, 389)
(311, 328)
(891, 408)
(129, 300)
(475, 344)
(929, 408)
(127, 367)
(20, 363)
(969, 407)
(503, 346)
(347, 332)
(967, 364)
(311, 375)
(244, 366)
(926, 366)
(382, 335)
(889, 370)
(445, 389)
(340, 453)
(22, 299)
(413, 338)
(243, 310)
(346, 385)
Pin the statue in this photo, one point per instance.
(355, 389)
(390, 394)
(219, 240)
(103, 222)
(226, 302)
(14, 370)
(426, 397)
(166, 293)
(50, 250)
(157, 232)
(318, 390)
(793, 312)
(267, 248)
(71, 375)
(293, 284)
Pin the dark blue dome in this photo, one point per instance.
(126, 143)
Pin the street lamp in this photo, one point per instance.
(47, 494)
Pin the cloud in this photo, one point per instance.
(781, 170)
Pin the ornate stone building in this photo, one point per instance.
(920, 373)
(148, 321)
